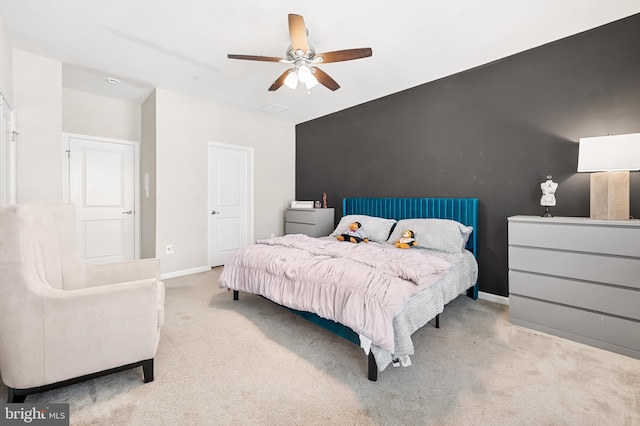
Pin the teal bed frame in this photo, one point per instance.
(463, 210)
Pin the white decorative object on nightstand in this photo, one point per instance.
(577, 278)
(312, 222)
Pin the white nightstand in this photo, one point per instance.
(312, 222)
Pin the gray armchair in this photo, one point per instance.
(64, 320)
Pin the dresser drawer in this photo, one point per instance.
(620, 301)
(620, 240)
(592, 328)
(617, 270)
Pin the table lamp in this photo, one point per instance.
(612, 157)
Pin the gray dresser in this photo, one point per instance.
(312, 222)
(577, 278)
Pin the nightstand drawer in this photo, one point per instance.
(299, 228)
(301, 216)
(311, 222)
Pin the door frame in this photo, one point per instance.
(250, 191)
(66, 182)
(8, 155)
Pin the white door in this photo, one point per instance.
(103, 188)
(7, 154)
(230, 190)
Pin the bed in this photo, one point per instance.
(289, 271)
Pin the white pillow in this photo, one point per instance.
(375, 228)
(439, 234)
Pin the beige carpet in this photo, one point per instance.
(251, 362)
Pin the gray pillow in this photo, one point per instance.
(375, 228)
(438, 234)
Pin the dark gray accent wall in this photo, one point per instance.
(493, 132)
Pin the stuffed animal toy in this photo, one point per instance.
(354, 235)
(407, 240)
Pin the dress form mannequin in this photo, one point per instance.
(548, 198)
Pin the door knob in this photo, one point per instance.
(214, 212)
(128, 212)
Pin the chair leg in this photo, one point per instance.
(12, 397)
(19, 395)
(147, 370)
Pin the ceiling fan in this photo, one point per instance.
(303, 57)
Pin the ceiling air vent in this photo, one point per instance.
(273, 108)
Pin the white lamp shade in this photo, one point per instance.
(291, 81)
(609, 153)
(311, 83)
(304, 74)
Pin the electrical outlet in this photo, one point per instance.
(273, 235)
(169, 248)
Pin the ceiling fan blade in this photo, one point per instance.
(298, 33)
(279, 81)
(324, 79)
(345, 55)
(255, 58)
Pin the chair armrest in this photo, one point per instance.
(112, 273)
(98, 328)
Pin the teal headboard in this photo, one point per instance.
(463, 210)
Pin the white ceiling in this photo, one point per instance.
(182, 45)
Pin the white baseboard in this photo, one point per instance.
(184, 272)
(493, 298)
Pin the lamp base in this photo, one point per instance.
(610, 195)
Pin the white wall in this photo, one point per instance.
(184, 127)
(37, 98)
(6, 64)
(96, 115)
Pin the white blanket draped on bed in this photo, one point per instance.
(363, 286)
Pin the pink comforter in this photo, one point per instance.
(363, 286)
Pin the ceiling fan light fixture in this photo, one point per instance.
(304, 74)
(292, 80)
(311, 83)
